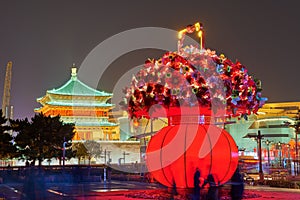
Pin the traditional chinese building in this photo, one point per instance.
(82, 105)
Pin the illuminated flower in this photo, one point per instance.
(190, 77)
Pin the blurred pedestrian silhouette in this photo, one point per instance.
(237, 185)
(213, 190)
(173, 190)
(197, 174)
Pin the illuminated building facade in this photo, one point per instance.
(84, 106)
(272, 118)
(277, 119)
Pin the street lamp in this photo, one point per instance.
(106, 154)
(289, 158)
(124, 154)
(267, 142)
(297, 125)
(258, 137)
(279, 152)
(64, 153)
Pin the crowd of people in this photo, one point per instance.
(236, 192)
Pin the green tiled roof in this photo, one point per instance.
(76, 87)
(95, 124)
(85, 104)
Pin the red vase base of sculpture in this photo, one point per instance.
(174, 153)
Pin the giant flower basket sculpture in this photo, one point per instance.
(197, 90)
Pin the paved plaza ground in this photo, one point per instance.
(264, 193)
(118, 190)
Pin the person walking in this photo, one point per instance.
(197, 175)
(237, 185)
(213, 190)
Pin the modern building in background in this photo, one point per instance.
(277, 122)
(273, 118)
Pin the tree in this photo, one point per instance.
(80, 151)
(42, 138)
(23, 152)
(7, 149)
(93, 148)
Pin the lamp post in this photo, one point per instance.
(258, 137)
(106, 153)
(124, 154)
(64, 153)
(297, 125)
(279, 152)
(267, 142)
(296, 163)
(260, 171)
(289, 158)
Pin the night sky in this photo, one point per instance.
(44, 39)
